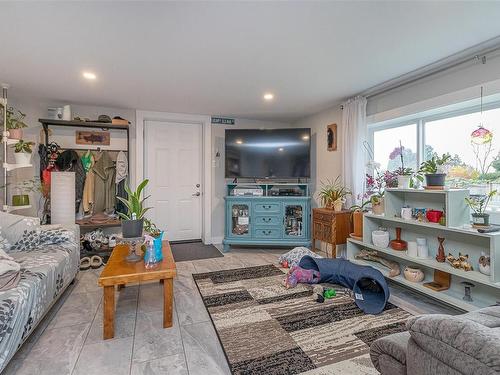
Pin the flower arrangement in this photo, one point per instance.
(376, 184)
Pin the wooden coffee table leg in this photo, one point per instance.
(109, 312)
(168, 298)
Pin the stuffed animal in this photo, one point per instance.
(297, 275)
(484, 264)
(464, 262)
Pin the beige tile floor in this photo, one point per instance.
(69, 339)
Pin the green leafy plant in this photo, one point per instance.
(432, 165)
(15, 118)
(23, 146)
(151, 228)
(479, 203)
(134, 202)
(332, 191)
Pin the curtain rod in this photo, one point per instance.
(475, 54)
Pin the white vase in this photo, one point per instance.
(380, 238)
(337, 205)
(404, 182)
(22, 158)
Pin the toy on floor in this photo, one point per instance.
(297, 275)
(320, 293)
(284, 264)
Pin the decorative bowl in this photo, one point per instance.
(414, 275)
(380, 238)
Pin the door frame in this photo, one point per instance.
(206, 192)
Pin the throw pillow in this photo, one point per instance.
(294, 256)
(14, 227)
(36, 239)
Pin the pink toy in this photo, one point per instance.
(284, 264)
(300, 275)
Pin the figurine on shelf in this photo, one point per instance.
(440, 257)
(454, 262)
(464, 262)
(484, 264)
(467, 295)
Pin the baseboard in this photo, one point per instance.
(217, 240)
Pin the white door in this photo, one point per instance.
(173, 155)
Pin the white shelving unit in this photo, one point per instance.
(459, 237)
(7, 167)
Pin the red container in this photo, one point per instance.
(434, 215)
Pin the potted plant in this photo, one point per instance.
(404, 174)
(332, 194)
(376, 184)
(478, 205)
(357, 212)
(434, 170)
(133, 220)
(15, 123)
(22, 152)
(24, 188)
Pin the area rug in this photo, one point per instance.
(265, 328)
(193, 251)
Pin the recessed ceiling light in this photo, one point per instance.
(89, 75)
(239, 141)
(281, 149)
(305, 137)
(268, 96)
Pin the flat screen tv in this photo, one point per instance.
(268, 153)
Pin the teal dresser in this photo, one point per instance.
(272, 219)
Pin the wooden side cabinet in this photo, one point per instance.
(330, 226)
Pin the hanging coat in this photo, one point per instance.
(104, 184)
(69, 161)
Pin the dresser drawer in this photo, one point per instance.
(265, 232)
(267, 207)
(318, 216)
(267, 219)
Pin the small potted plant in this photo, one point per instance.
(133, 220)
(332, 194)
(478, 205)
(22, 152)
(376, 185)
(404, 174)
(434, 170)
(15, 122)
(24, 188)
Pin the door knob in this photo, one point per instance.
(197, 194)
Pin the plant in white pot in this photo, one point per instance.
(434, 170)
(133, 220)
(404, 174)
(332, 194)
(15, 122)
(375, 184)
(23, 151)
(478, 205)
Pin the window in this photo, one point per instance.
(386, 141)
(471, 138)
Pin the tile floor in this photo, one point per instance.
(69, 339)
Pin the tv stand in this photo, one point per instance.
(270, 214)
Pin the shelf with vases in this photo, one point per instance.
(436, 226)
(12, 166)
(475, 276)
(15, 208)
(451, 297)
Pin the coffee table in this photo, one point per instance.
(120, 272)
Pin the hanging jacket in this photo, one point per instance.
(104, 185)
(69, 161)
(120, 180)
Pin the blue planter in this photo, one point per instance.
(157, 245)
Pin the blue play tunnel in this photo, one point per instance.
(368, 284)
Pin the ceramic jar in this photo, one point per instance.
(414, 275)
(404, 182)
(406, 213)
(412, 250)
(422, 248)
(380, 238)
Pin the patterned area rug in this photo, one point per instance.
(267, 329)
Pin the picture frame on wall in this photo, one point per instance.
(331, 137)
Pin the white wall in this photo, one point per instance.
(324, 164)
(218, 169)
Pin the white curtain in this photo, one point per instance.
(354, 134)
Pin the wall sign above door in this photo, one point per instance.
(223, 121)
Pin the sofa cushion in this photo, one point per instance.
(14, 227)
(467, 346)
(388, 354)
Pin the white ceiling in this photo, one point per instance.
(220, 57)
